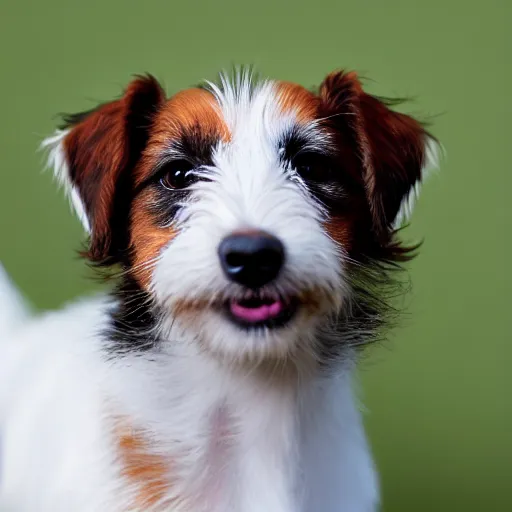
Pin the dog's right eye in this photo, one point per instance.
(178, 174)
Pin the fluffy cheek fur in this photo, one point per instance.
(188, 282)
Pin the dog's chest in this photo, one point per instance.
(238, 456)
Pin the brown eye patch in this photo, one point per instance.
(147, 235)
(340, 229)
(183, 136)
(188, 127)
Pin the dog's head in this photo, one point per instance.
(242, 211)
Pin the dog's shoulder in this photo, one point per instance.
(51, 375)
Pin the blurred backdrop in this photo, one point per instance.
(439, 411)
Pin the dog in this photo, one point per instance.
(251, 229)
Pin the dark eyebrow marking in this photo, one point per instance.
(197, 145)
(298, 140)
(193, 145)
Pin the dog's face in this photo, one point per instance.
(240, 210)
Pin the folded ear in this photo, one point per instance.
(394, 149)
(93, 157)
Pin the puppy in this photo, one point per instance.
(251, 229)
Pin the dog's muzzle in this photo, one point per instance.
(254, 260)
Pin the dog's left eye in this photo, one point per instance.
(178, 174)
(312, 167)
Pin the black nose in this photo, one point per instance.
(251, 259)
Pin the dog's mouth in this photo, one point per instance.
(261, 310)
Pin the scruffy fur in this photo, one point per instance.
(151, 398)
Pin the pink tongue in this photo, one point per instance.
(258, 314)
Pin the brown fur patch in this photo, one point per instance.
(389, 145)
(148, 471)
(340, 230)
(147, 238)
(192, 110)
(96, 160)
(294, 98)
(101, 146)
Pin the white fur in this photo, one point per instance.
(13, 309)
(56, 453)
(293, 446)
(250, 189)
(243, 429)
(432, 150)
(57, 162)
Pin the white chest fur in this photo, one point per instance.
(252, 442)
(235, 443)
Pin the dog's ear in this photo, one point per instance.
(93, 156)
(392, 148)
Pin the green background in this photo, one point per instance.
(438, 393)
